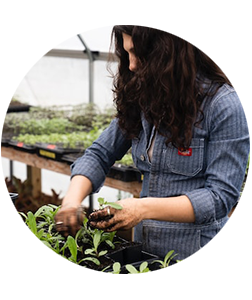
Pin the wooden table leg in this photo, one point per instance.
(34, 177)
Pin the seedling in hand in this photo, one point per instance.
(102, 204)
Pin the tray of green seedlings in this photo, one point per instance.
(125, 170)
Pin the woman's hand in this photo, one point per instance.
(70, 216)
(111, 219)
(68, 220)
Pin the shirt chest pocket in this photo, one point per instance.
(188, 162)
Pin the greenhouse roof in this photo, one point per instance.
(233, 40)
(96, 37)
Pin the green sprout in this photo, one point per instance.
(102, 204)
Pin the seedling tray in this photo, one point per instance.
(71, 157)
(124, 173)
(5, 142)
(117, 171)
(53, 151)
(7, 202)
(133, 254)
(22, 146)
(18, 108)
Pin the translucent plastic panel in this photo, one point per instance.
(96, 37)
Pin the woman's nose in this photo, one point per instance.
(132, 63)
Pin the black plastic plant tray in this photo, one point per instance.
(71, 157)
(134, 255)
(18, 108)
(124, 173)
(243, 204)
(53, 151)
(22, 146)
(5, 142)
(7, 202)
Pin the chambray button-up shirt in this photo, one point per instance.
(210, 173)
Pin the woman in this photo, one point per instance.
(189, 138)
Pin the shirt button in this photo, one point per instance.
(142, 157)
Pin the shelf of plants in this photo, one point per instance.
(63, 134)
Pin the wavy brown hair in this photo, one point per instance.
(168, 86)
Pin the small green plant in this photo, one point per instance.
(102, 204)
(168, 257)
(116, 268)
(142, 269)
(97, 239)
(73, 248)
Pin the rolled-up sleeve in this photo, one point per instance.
(226, 156)
(101, 155)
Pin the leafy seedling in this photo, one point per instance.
(165, 263)
(102, 204)
(142, 269)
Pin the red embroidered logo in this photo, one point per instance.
(183, 152)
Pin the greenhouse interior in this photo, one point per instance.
(64, 109)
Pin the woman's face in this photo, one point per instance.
(129, 48)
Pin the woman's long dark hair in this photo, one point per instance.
(166, 86)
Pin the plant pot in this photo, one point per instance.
(13, 196)
(132, 254)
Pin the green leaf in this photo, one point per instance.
(103, 253)
(143, 266)
(111, 245)
(97, 239)
(168, 255)
(114, 205)
(89, 251)
(93, 259)
(72, 247)
(116, 268)
(101, 201)
(31, 222)
(131, 269)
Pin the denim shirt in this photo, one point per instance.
(210, 173)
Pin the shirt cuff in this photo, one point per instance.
(203, 206)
